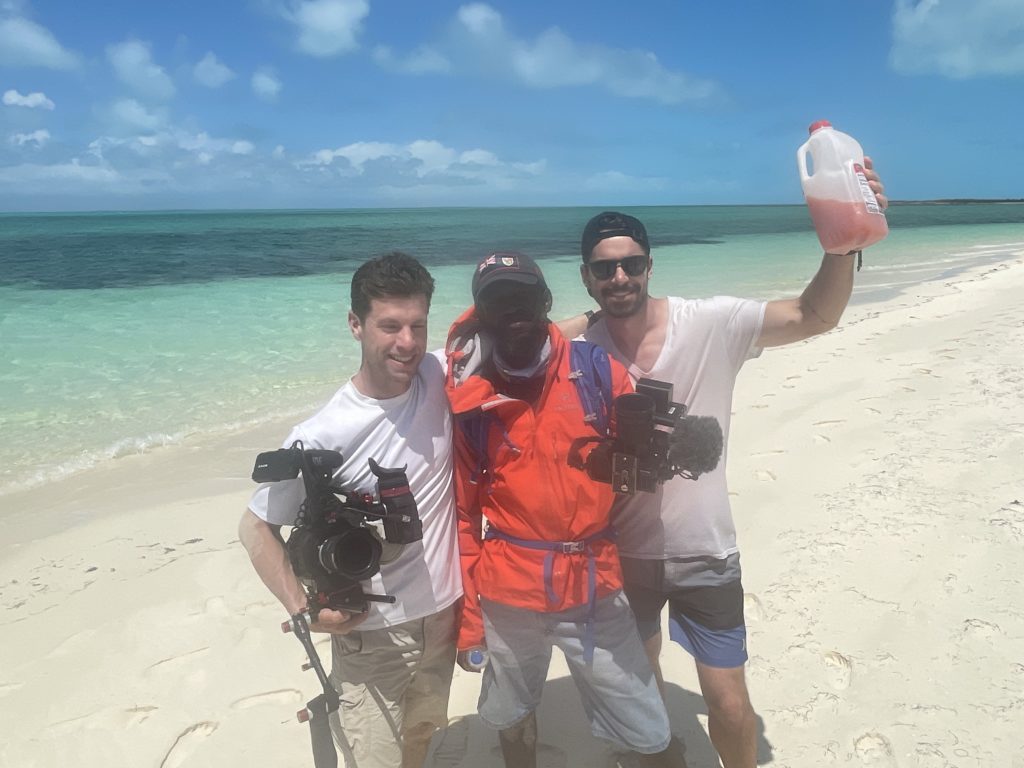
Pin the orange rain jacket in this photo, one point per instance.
(528, 491)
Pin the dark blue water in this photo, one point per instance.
(104, 250)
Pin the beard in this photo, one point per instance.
(620, 302)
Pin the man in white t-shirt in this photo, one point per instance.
(678, 545)
(392, 664)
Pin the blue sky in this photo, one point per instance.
(364, 103)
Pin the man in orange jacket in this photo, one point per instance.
(545, 572)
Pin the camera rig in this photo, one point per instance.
(339, 535)
(338, 541)
(654, 440)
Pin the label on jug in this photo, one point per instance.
(870, 202)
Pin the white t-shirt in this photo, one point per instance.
(412, 430)
(706, 343)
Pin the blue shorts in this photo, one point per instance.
(705, 604)
(618, 689)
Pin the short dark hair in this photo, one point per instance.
(393, 275)
(612, 224)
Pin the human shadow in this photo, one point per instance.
(565, 740)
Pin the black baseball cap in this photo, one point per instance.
(612, 224)
(508, 265)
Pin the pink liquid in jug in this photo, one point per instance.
(845, 226)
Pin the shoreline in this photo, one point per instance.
(105, 459)
(876, 485)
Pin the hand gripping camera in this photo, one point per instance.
(655, 439)
(340, 536)
(335, 544)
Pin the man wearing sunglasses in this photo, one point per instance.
(679, 545)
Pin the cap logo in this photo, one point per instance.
(508, 261)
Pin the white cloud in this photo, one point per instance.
(479, 157)
(421, 61)
(480, 43)
(480, 19)
(211, 72)
(395, 165)
(38, 138)
(958, 38)
(24, 43)
(554, 60)
(328, 27)
(130, 116)
(133, 64)
(172, 145)
(266, 84)
(32, 100)
(32, 174)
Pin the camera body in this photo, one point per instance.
(655, 439)
(339, 536)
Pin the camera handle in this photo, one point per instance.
(319, 708)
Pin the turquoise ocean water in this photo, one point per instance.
(121, 333)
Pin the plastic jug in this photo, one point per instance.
(843, 208)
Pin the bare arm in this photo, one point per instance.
(818, 309)
(821, 305)
(572, 327)
(266, 551)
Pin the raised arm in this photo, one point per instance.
(821, 305)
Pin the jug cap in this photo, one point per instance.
(818, 124)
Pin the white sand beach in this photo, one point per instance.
(877, 476)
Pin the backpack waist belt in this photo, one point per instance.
(582, 546)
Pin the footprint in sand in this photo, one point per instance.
(980, 628)
(840, 670)
(282, 696)
(874, 749)
(765, 476)
(753, 608)
(6, 688)
(109, 719)
(186, 743)
(173, 663)
(822, 439)
(72, 643)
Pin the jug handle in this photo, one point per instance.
(801, 161)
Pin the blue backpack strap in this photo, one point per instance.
(592, 374)
(476, 426)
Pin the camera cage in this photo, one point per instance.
(339, 534)
(654, 440)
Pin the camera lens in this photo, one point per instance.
(634, 420)
(354, 553)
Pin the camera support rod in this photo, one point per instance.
(319, 708)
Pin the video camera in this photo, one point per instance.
(655, 439)
(340, 536)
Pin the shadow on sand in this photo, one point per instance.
(468, 743)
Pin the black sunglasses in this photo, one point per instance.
(631, 265)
